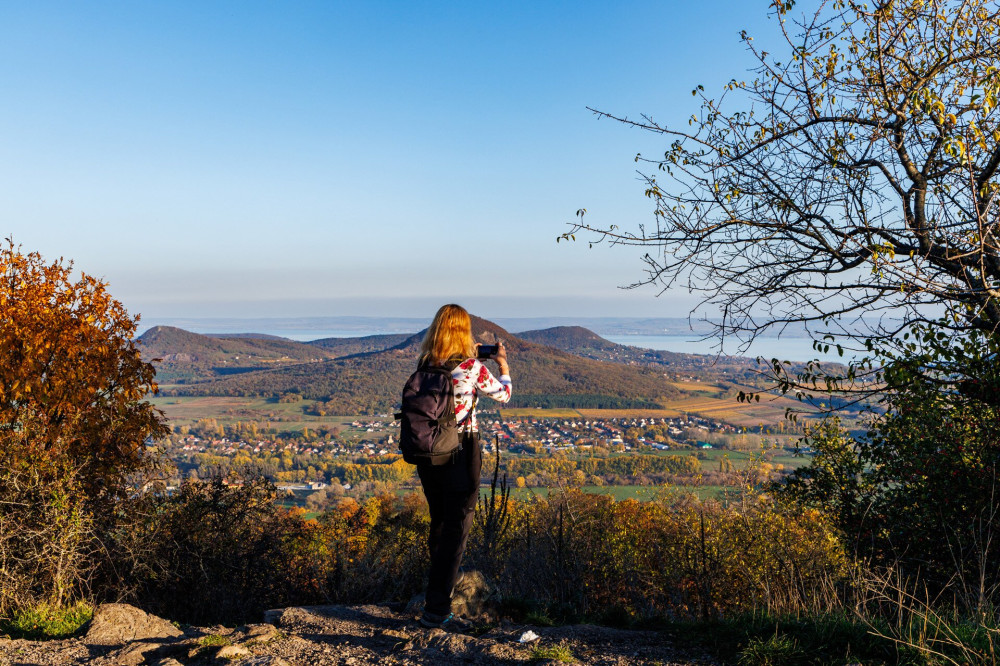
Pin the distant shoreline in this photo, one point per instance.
(351, 326)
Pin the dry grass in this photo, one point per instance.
(628, 413)
(227, 410)
(695, 386)
(540, 413)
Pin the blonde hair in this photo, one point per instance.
(449, 337)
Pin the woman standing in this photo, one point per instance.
(452, 489)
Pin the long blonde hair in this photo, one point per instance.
(449, 337)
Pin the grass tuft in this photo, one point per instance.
(559, 652)
(776, 650)
(46, 621)
(539, 619)
(214, 640)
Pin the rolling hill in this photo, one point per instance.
(348, 346)
(186, 357)
(183, 357)
(370, 381)
(573, 339)
(583, 342)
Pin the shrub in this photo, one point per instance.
(45, 535)
(375, 551)
(918, 491)
(217, 553)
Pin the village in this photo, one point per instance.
(293, 457)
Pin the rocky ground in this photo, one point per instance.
(355, 635)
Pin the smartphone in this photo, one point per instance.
(488, 351)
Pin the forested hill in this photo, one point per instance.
(186, 357)
(584, 342)
(574, 339)
(189, 357)
(372, 381)
(369, 343)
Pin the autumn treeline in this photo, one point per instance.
(223, 553)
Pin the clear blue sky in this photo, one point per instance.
(250, 159)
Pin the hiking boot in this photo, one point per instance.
(449, 622)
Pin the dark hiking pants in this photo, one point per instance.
(452, 490)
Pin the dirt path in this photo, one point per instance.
(356, 636)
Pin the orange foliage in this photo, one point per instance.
(72, 382)
(681, 557)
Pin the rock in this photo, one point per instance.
(267, 660)
(131, 655)
(468, 600)
(260, 633)
(391, 633)
(415, 605)
(233, 652)
(471, 594)
(366, 635)
(117, 624)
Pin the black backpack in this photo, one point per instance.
(428, 432)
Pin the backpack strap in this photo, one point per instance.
(449, 366)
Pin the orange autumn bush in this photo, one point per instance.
(679, 557)
(73, 426)
(72, 381)
(376, 550)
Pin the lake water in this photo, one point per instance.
(308, 335)
(787, 349)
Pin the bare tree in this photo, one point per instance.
(851, 185)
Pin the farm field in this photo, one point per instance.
(640, 493)
(536, 413)
(741, 460)
(185, 411)
(696, 386)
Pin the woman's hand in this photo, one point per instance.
(501, 358)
